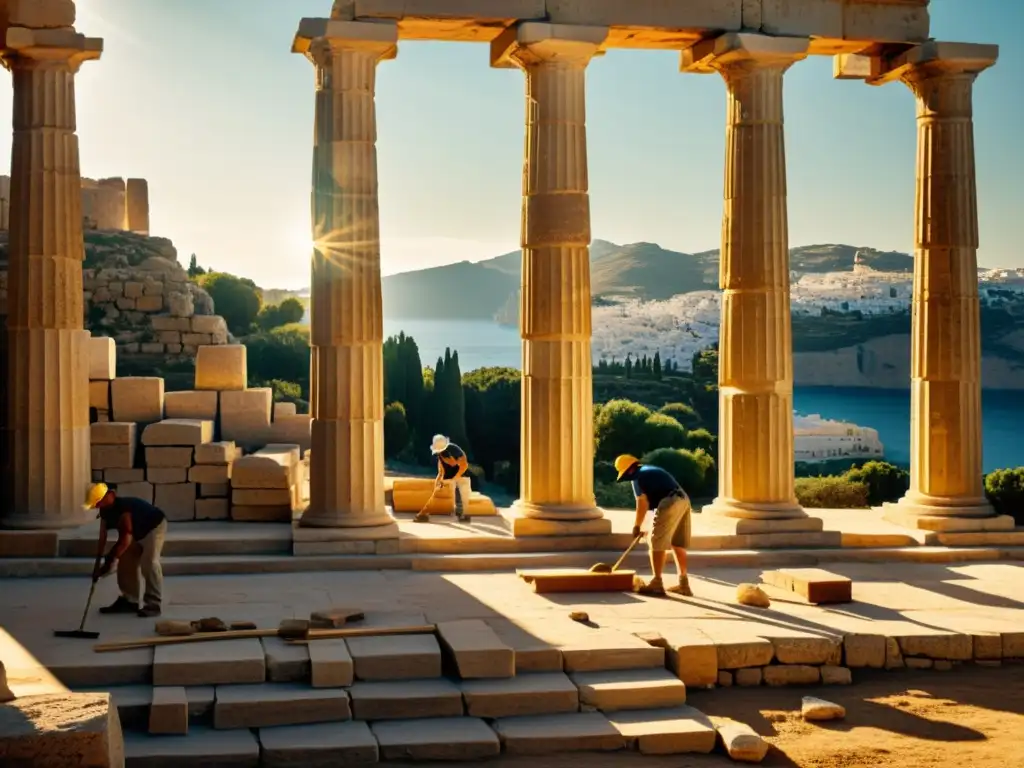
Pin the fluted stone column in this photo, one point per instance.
(755, 459)
(557, 454)
(946, 486)
(346, 318)
(48, 460)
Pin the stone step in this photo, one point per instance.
(443, 739)
(540, 693)
(548, 734)
(202, 748)
(405, 699)
(272, 704)
(323, 745)
(264, 564)
(210, 539)
(629, 689)
(665, 731)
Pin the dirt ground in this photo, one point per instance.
(970, 718)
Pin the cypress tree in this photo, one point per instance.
(656, 365)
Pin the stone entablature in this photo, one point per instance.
(108, 204)
(835, 26)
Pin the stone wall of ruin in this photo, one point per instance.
(108, 204)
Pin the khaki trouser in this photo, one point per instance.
(143, 558)
(671, 524)
(463, 488)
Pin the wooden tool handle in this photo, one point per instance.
(626, 553)
(333, 634)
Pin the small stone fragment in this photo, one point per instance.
(170, 628)
(579, 616)
(817, 710)
(748, 677)
(210, 624)
(333, 618)
(740, 741)
(752, 595)
(831, 675)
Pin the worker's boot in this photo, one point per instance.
(149, 611)
(653, 588)
(421, 517)
(121, 605)
(683, 588)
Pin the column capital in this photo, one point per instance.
(928, 60)
(28, 48)
(744, 50)
(317, 36)
(531, 42)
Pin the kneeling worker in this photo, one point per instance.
(141, 529)
(452, 466)
(656, 489)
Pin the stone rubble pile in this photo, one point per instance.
(184, 451)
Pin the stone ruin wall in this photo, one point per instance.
(107, 204)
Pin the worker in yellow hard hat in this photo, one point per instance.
(654, 488)
(141, 529)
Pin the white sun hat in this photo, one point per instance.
(438, 444)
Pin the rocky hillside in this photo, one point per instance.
(137, 293)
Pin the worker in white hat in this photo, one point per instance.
(141, 529)
(452, 466)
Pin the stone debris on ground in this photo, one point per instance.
(815, 709)
(752, 595)
(740, 741)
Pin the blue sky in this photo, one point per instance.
(204, 99)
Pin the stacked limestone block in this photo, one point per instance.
(170, 447)
(114, 451)
(102, 370)
(266, 486)
(211, 474)
(152, 309)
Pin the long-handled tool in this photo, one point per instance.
(605, 568)
(80, 632)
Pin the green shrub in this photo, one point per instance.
(885, 482)
(237, 299)
(604, 472)
(615, 495)
(683, 413)
(700, 439)
(685, 466)
(661, 431)
(831, 493)
(1005, 491)
(620, 427)
(396, 430)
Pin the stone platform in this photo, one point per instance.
(218, 547)
(630, 677)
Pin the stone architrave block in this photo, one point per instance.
(192, 404)
(113, 433)
(55, 730)
(102, 358)
(223, 452)
(178, 501)
(41, 14)
(297, 429)
(245, 416)
(213, 508)
(178, 432)
(222, 367)
(168, 713)
(142, 491)
(263, 470)
(166, 475)
(168, 456)
(99, 395)
(112, 457)
(210, 474)
(137, 398)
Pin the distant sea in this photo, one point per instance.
(483, 344)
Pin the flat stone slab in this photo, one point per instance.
(539, 693)
(532, 653)
(666, 731)
(815, 585)
(262, 706)
(447, 738)
(202, 748)
(168, 712)
(324, 745)
(614, 690)
(406, 699)
(331, 663)
(401, 657)
(55, 730)
(221, 662)
(477, 649)
(286, 662)
(543, 734)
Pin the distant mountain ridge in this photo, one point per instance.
(489, 289)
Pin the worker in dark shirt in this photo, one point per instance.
(656, 489)
(452, 466)
(141, 529)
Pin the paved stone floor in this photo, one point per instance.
(893, 600)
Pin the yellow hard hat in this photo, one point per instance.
(623, 464)
(95, 495)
